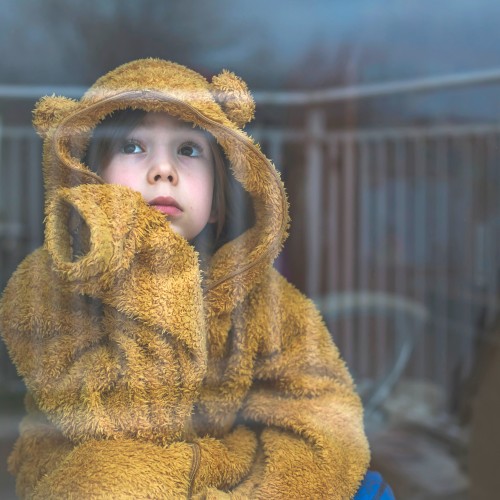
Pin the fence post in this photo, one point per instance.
(315, 127)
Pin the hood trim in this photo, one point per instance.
(272, 248)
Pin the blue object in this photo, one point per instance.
(374, 487)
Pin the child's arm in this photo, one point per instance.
(112, 343)
(48, 465)
(313, 442)
(126, 468)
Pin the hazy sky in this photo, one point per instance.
(401, 38)
(273, 44)
(266, 41)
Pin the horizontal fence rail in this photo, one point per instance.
(300, 98)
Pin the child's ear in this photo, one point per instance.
(233, 96)
(49, 111)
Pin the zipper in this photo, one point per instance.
(195, 465)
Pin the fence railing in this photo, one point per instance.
(410, 212)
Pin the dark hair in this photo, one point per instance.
(231, 202)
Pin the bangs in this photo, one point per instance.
(108, 135)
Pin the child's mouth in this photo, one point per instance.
(167, 209)
(166, 205)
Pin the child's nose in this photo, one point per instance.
(162, 169)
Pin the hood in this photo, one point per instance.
(221, 107)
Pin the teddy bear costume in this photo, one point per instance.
(145, 379)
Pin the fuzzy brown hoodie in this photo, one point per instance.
(146, 379)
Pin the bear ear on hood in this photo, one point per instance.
(232, 94)
(49, 111)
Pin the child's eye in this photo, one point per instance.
(131, 148)
(190, 149)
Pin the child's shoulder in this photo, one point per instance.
(34, 277)
(283, 300)
(30, 268)
(284, 318)
(275, 286)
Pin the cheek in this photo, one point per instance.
(119, 176)
(202, 189)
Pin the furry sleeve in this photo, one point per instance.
(110, 341)
(313, 440)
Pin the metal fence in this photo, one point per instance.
(411, 213)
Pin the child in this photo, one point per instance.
(164, 356)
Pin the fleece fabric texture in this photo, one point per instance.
(145, 377)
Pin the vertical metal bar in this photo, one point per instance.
(333, 230)
(420, 243)
(314, 199)
(350, 197)
(275, 148)
(334, 262)
(467, 344)
(483, 263)
(402, 209)
(381, 262)
(348, 237)
(441, 218)
(365, 196)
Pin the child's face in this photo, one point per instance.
(170, 163)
